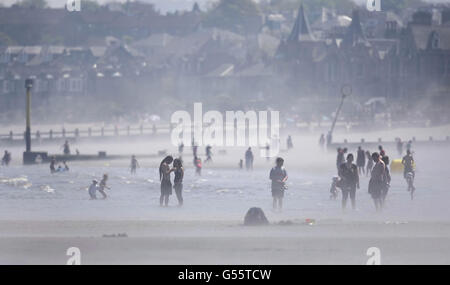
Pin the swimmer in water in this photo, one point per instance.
(178, 180)
(278, 175)
(164, 177)
(102, 186)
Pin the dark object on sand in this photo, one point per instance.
(119, 235)
(285, 223)
(255, 217)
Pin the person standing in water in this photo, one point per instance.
(409, 145)
(387, 179)
(348, 172)
(194, 148)
(134, 164)
(164, 177)
(103, 186)
(340, 157)
(278, 175)
(322, 141)
(180, 149)
(267, 151)
(335, 183)
(6, 158)
(178, 180)
(408, 167)
(399, 146)
(208, 153)
(198, 165)
(66, 167)
(329, 138)
(361, 160)
(382, 152)
(369, 163)
(377, 181)
(93, 190)
(249, 159)
(66, 148)
(53, 165)
(289, 143)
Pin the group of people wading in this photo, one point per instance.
(377, 168)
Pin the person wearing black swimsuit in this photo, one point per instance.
(164, 177)
(178, 180)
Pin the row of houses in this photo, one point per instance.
(408, 62)
(380, 55)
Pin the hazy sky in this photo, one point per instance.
(166, 5)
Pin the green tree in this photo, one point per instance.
(37, 4)
(235, 15)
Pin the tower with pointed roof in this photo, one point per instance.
(301, 29)
(300, 34)
(355, 35)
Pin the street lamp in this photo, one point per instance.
(346, 91)
(28, 86)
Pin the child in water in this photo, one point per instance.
(93, 190)
(102, 186)
(278, 175)
(198, 165)
(334, 188)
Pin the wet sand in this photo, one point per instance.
(226, 242)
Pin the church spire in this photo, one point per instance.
(301, 30)
(355, 34)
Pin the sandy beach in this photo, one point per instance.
(42, 215)
(210, 242)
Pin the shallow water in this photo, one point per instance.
(221, 193)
